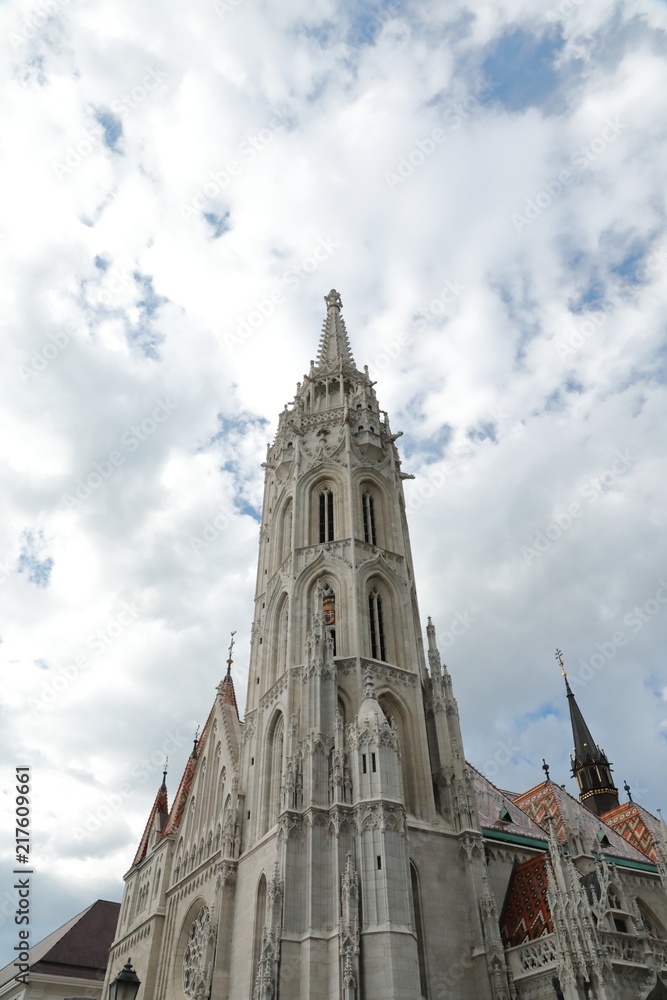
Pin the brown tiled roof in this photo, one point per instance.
(79, 949)
(178, 805)
(160, 808)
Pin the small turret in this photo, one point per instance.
(590, 765)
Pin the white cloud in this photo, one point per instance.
(115, 298)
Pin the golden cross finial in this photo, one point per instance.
(559, 657)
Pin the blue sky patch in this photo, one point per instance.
(112, 128)
(218, 223)
(521, 66)
(32, 559)
(146, 338)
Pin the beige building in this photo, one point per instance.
(334, 844)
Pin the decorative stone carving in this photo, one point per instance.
(198, 956)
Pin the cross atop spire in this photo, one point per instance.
(334, 343)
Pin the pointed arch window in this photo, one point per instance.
(368, 508)
(419, 928)
(275, 772)
(329, 612)
(260, 921)
(326, 516)
(376, 625)
(286, 530)
(283, 631)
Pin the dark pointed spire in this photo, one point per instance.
(226, 686)
(334, 343)
(589, 763)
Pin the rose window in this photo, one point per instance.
(194, 959)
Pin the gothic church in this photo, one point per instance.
(334, 844)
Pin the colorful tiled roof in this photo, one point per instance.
(549, 799)
(636, 825)
(526, 914)
(497, 811)
(176, 814)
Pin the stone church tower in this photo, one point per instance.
(299, 856)
(335, 845)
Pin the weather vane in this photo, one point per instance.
(626, 786)
(229, 656)
(545, 768)
(559, 657)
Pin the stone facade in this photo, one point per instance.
(335, 845)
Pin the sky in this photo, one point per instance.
(484, 185)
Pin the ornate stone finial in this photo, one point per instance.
(545, 768)
(369, 684)
(626, 786)
(333, 300)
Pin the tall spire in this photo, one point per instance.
(589, 763)
(334, 343)
(226, 686)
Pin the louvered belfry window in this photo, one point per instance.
(376, 624)
(368, 505)
(326, 516)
